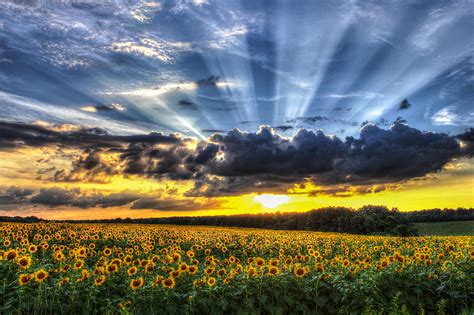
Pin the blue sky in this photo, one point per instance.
(201, 66)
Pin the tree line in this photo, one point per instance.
(371, 220)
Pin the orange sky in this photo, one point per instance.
(451, 188)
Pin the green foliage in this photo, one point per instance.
(445, 228)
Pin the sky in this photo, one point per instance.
(200, 107)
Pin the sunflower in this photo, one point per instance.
(127, 260)
(158, 280)
(211, 281)
(199, 282)
(81, 252)
(168, 283)
(32, 248)
(84, 274)
(11, 255)
(299, 271)
(221, 272)
(273, 271)
(111, 268)
(24, 262)
(132, 271)
(63, 281)
(175, 273)
(155, 259)
(59, 256)
(192, 269)
(136, 283)
(209, 271)
(319, 267)
(78, 264)
(24, 279)
(41, 275)
(107, 251)
(251, 271)
(176, 257)
(123, 305)
(99, 281)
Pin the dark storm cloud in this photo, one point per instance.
(265, 152)
(283, 128)
(377, 156)
(55, 197)
(345, 191)
(108, 107)
(212, 130)
(214, 186)
(14, 195)
(236, 162)
(88, 167)
(187, 104)
(404, 105)
(343, 109)
(467, 139)
(309, 120)
(396, 154)
(175, 204)
(13, 135)
(209, 81)
(142, 159)
(59, 197)
(157, 162)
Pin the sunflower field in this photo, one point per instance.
(59, 268)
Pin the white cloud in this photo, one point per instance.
(445, 116)
(158, 90)
(233, 31)
(18, 108)
(449, 116)
(436, 26)
(183, 5)
(168, 88)
(362, 94)
(160, 49)
(144, 11)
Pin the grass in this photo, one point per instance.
(446, 228)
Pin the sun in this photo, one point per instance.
(271, 201)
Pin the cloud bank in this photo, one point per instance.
(237, 162)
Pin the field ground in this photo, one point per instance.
(454, 228)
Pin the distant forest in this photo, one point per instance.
(372, 220)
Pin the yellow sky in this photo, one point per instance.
(451, 188)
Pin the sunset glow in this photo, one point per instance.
(271, 201)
